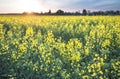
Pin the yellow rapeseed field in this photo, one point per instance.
(59, 47)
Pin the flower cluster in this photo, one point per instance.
(60, 47)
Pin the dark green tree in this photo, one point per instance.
(84, 12)
(60, 12)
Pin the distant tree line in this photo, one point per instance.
(84, 12)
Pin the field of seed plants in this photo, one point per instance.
(59, 47)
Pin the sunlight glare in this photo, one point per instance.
(30, 6)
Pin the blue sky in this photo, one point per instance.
(18, 6)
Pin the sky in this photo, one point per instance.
(19, 6)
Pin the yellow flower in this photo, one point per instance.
(10, 33)
(85, 77)
(22, 48)
(100, 77)
(75, 57)
(29, 32)
(94, 59)
(50, 37)
(89, 70)
(94, 74)
(87, 51)
(106, 43)
(96, 55)
(98, 64)
(1, 32)
(5, 47)
(1, 26)
(15, 42)
(106, 70)
(101, 72)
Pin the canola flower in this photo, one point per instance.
(15, 42)
(85, 77)
(22, 48)
(75, 57)
(60, 47)
(106, 43)
(1, 32)
(29, 32)
(5, 47)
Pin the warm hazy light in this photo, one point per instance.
(30, 6)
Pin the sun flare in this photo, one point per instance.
(30, 6)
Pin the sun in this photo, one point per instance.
(30, 6)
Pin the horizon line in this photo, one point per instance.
(56, 11)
